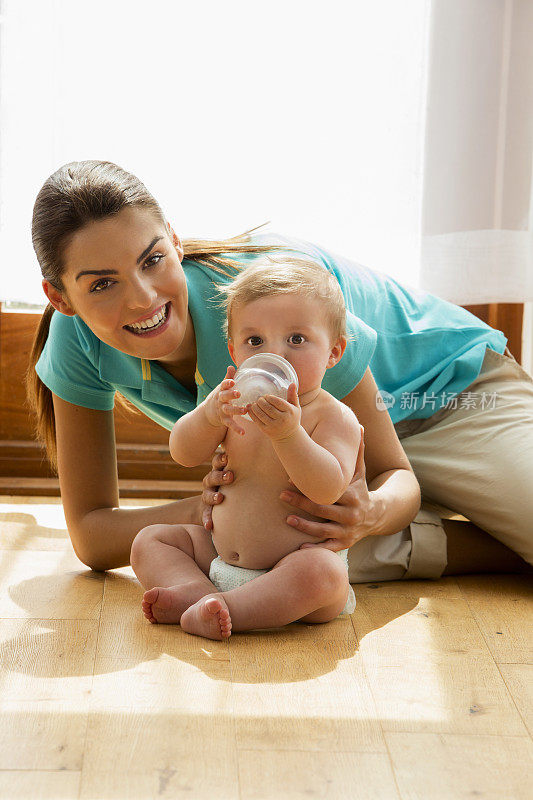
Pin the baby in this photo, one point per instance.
(265, 574)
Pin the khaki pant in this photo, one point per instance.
(476, 461)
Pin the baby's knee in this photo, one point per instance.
(175, 535)
(323, 571)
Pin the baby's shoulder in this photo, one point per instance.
(334, 412)
(330, 405)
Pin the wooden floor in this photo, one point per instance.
(425, 692)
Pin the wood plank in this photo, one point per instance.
(505, 317)
(430, 766)
(503, 612)
(32, 527)
(290, 775)
(40, 784)
(163, 680)
(519, 681)
(125, 632)
(194, 752)
(15, 345)
(42, 735)
(52, 584)
(139, 785)
(38, 523)
(429, 667)
(304, 689)
(121, 708)
(49, 661)
(46, 487)
(144, 461)
(508, 317)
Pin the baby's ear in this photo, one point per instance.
(337, 352)
(231, 350)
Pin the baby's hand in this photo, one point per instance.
(219, 407)
(278, 418)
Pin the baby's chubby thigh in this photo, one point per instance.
(320, 574)
(193, 540)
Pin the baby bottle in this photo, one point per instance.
(264, 373)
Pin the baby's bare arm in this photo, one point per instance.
(321, 466)
(196, 435)
(194, 439)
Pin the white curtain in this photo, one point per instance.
(477, 211)
(398, 134)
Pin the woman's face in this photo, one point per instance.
(124, 270)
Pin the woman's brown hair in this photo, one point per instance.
(75, 195)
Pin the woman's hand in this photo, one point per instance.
(212, 482)
(351, 518)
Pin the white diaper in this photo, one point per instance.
(228, 576)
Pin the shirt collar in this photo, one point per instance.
(154, 383)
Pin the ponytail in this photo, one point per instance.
(39, 395)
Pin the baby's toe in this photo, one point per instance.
(213, 605)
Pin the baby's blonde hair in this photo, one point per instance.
(286, 275)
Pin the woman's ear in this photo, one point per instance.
(177, 241)
(59, 302)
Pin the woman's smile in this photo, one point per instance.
(151, 324)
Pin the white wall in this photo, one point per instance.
(304, 113)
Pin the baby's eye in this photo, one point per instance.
(297, 336)
(253, 337)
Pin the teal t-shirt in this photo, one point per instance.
(417, 346)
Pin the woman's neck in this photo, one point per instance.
(182, 363)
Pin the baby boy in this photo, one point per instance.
(262, 574)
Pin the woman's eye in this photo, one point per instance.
(98, 286)
(150, 261)
(297, 336)
(103, 283)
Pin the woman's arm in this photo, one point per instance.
(389, 475)
(100, 531)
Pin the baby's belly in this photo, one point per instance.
(250, 528)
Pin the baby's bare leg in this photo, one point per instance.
(309, 585)
(172, 563)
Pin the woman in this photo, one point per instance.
(110, 262)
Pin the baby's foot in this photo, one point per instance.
(167, 604)
(208, 617)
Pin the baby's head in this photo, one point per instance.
(289, 306)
